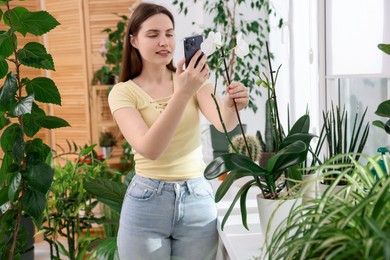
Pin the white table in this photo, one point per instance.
(236, 242)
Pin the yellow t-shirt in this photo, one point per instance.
(183, 158)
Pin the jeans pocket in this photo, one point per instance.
(140, 191)
(203, 189)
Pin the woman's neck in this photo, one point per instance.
(155, 76)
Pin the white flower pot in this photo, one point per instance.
(106, 151)
(309, 187)
(273, 212)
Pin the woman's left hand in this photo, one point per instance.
(237, 92)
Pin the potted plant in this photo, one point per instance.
(111, 51)
(339, 141)
(71, 211)
(350, 224)
(106, 141)
(25, 172)
(291, 149)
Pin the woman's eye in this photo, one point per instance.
(152, 36)
(170, 35)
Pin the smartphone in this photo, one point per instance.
(191, 46)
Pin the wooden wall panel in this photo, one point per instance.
(67, 46)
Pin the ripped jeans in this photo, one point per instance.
(168, 220)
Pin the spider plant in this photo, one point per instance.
(353, 223)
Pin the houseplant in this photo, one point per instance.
(106, 141)
(351, 224)
(71, 210)
(111, 51)
(25, 173)
(290, 150)
(339, 141)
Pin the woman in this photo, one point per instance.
(168, 211)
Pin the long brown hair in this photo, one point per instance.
(132, 62)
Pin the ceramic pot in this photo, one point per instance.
(309, 187)
(106, 151)
(273, 212)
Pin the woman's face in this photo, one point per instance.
(155, 40)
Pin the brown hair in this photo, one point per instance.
(132, 62)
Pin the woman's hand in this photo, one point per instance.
(236, 92)
(190, 79)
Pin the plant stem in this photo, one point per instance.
(274, 94)
(235, 105)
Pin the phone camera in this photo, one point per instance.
(190, 44)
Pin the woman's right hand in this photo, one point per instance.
(190, 79)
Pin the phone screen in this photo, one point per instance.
(191, 46)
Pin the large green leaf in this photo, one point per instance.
(38, 23)
(8, 92)
(302, 125)
(3, 68)
(31, 124)
(44, 90)
(17, 14)
(304, 137)
(34, 202)
(40, 177)
(52, 122)
(12, 141)
(37, 151)
(6, 48)
(24, 106)
(290, 155)
(4, 195)
(227, 162)
(108, 192)
(13, 190)
(34, 55)
(383, 109)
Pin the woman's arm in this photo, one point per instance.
(235, 91)
(152, 142)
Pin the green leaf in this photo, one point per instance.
(17, 19)
(6, 162)
(6, 48)
(13, 190)
(40, 177)
(12, 141)
(31, 124)
(52, 122)
(3, 195)
(227, 162)
(384, 47)
(34, 55)
(34, 202)
(107, 249)
(3, 68)
(4, 121)
(39, 23)
(302, 125)
(8, 91)
(379, 124)
(106, 191)
(383, 109)
(44, 90)
(24, 106)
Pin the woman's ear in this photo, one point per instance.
(133, 41)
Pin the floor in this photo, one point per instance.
(41, 250)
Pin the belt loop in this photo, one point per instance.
(160, 186)
(189, 187)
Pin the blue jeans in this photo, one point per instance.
(163, 220)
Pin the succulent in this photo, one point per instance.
(253, 145)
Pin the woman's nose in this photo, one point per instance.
(163, 41)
